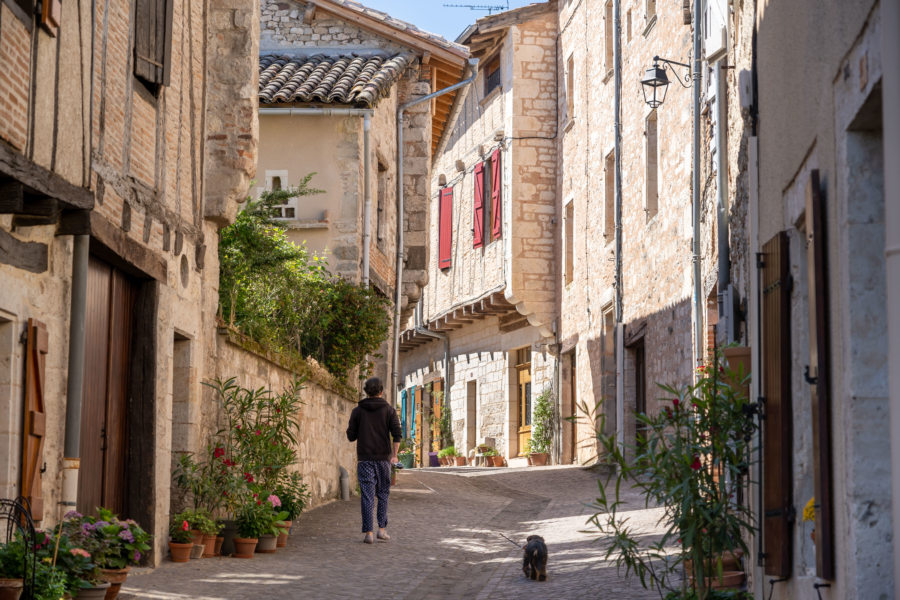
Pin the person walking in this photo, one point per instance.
(372, 425)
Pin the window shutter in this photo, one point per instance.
(36, 347)
(412, 394)
(446, 228)
(496, 186)
(478, 215)
(778, 511)
(820, 372)
(152, 38)
(436, 409)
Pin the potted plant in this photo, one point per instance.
(268, 539)
(407, 458)
(252, 521)
(447, 455)
(180, 539)
(116, 545)
(541, 429)
(490, 455)
(70, 550)
(12, 569)
(694, 454)
(204, 530)
(294, 495)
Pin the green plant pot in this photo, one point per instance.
(408, 461)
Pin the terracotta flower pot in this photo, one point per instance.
(10, 589)
(196, 536)
(209, 546)
(181, 553)
(115, 578)
(539, 459)
(497, 460)
(267, 544)
(729, 579)
(244, 547)
(98, 592)
(197, 551)
(282, 537)
(460, 461)
(217, 549)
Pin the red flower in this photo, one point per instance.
(277, 410)
(185, 526)
(675, 402)
(224, 493)
(258, 502)
(237, 426)
(696, 464)
(258, 432)
(668, 412)
(256, 495)
(248, 477)
(218, 452)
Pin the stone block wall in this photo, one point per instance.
(322, 442)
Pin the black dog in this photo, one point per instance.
(534, 565)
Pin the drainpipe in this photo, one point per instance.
(366, 114)
(890, 20)
(726, 302)
(695, 185)
(75, 381)
(617, 215)
(401, 250)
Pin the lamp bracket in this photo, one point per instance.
(686, 80)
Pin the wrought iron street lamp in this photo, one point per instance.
(655, 83)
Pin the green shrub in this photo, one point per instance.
(542, 424)
(447, 452)
(275, 292)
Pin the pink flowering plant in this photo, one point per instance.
(692, 460)
(110, 542)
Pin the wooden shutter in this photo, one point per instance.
(413, 413)
(478, 215)
(152, 39)
(778, 511)
(36, 346)
(436, 409)
(446, 228)
(403, 413)
(496, 186)
(819, 375)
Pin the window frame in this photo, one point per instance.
(492, 75)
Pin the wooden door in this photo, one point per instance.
(108, 333)
(523, 397)
(36, 347)
(437, 408)
(640, 394)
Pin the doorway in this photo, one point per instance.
(523, 397)
(471, 414)
(640, 394)
(109, 328)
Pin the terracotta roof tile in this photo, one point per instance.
(347, 79)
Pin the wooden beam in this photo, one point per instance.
(309, 15)
(389, 31)
(42, 181)
(513, 17)
(29, 256)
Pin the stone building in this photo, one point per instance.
(655, 204)
(128, 137)
(481, 341)
(815, 140)
(336, 73)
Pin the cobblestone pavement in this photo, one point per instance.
(445, 525)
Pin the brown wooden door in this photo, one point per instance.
(108, 333)
(437, 408)
(36, 348)
(523, 397)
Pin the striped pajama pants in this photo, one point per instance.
(374, 481)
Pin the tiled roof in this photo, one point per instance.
(347, 79)
(402, 26)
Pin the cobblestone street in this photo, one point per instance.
(445, 527)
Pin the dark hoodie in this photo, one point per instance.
(372, 424)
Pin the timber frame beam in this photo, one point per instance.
(28, 183)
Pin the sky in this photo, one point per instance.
(434, 17)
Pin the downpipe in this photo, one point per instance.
(75, 381)
(695, 192)
(726, 302)
(401, 250)
(617, 215)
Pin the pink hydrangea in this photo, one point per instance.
(274, 500)
(80, 552)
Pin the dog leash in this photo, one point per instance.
(510, 541)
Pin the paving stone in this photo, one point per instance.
(445, 526)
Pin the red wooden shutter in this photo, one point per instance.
(496, 186)
(778, 511)
(820, 372)
(36, 346)
(446, 228)
(478, 215)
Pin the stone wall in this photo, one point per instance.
(323, 447)
(656, 286)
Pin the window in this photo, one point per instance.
(276, 181)
(445, 231)
(523, 396)
(569, 241)
(380, 217)
(485, 219)
(628, 25)
(608, 34)
(570, 87)
(652, 183)
(609, 203)
(492, 75)
(152, 42)
(651, 9)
